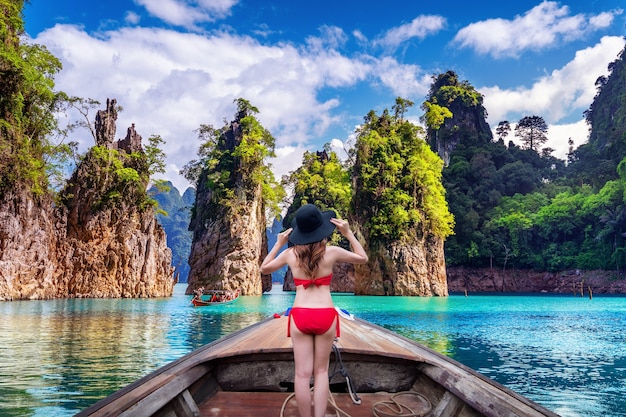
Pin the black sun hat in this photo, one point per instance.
(311, 225)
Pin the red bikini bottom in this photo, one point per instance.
(312, 320)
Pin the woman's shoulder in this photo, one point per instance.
(332, 250)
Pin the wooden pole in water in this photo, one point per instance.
(590, 292)
(582, 289)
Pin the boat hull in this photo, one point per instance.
(251, 372)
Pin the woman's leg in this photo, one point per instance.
(323, 346)
(303, 351)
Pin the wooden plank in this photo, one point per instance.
(485, 398)
(153, 402)
(253, 404)
(360, 340)
(184, 405)
(449, 406)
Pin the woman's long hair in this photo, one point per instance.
(309, 256)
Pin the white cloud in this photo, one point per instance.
(404, 80)
(132, 18)
(420, 27)
(558, 137)
(544, 26)
(564, 91)
(188, 13)
(169, 83)
(288, 159)
(331, 37)
(359, 36)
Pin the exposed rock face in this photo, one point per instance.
(229, 240)
(94, 245)
(412, 269)
(105, 126)
(225, 252)
(132, 262)
(117, 252)
(575, 282)
(28, 248)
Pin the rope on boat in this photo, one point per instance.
(344, 372)
(394, 408)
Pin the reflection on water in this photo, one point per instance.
(60, 356)
(569, 354)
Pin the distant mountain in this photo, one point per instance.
(272, 233)
(176, 223)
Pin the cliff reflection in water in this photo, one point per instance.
(60, 356)
(69, 346)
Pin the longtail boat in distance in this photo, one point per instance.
(204, 297)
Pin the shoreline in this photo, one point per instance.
(494, 280)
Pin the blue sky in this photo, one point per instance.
(314, 69)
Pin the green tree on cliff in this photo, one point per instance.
(233, 163)
(28, 104)
(321, 180)
(532, 132)
(397, 177)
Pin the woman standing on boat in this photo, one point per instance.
(313, 321)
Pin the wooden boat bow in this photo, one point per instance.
(253, 368)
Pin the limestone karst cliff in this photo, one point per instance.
(28, 246)
(404, 268)
(101, 240)
(399, 211)
(228, 219)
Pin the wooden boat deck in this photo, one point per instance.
(364, 339)
(250, 373)
(229, 404)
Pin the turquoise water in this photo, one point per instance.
(566, 353)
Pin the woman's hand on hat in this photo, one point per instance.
(283, 237)
(342, 226)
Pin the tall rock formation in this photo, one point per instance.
(404, 268)
(115, 247)
(468, 122)
(102, 241)
(399, 210)
(228, 220)
(29, 247)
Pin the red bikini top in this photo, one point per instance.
(306, 283)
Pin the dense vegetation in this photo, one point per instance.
(28, 106)
(519, 206)
(398, 192)
(512, 206)
(232, 164)
(390, 185)
(34, 148)
(322, 180)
